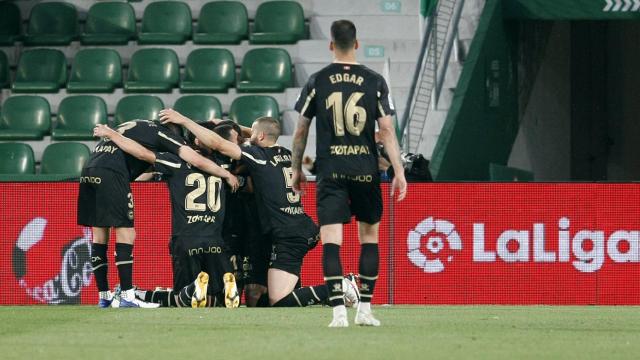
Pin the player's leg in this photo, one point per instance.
(99, 264)
(164, 297)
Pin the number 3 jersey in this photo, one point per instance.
(197, 198)
(279, 207)
(346, 100)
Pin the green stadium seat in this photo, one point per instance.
(278, 22)
(64, 158)
(25, 118)
(222, 22)
(16, 159)
(199, 107)
(133, 107)
(4, 70)
(52, 23)
(10, 19)
(209, 70)
(153, 70)
(165, 22)
(77, 115)
(95, 71)
(40, 71)
(246, 109)
(109, 23)
(265, 70)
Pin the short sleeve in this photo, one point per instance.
(169, 142)
(385, 104)
(167, 163)
(253, 156)
(305, 104)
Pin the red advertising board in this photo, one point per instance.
(445, 244)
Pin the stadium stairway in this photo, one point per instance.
(400, 43)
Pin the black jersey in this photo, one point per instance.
(279, 207)
(150, 134)
(346, 100)
(197, 198)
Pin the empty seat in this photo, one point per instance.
(153, 70)
(16, 159)
(199, 107)
(109, 23)
(52, 23)
(246, 109)
(133, 107)
(10, 19)
(64, 158)
(77, 115)
(4, 70)
(209, 70)
(25, 118)
(40, 71)
(265, 70)
(278, 22)
(165, 22)
(222, 22)
(95, 70)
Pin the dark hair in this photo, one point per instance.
(343, 34)
(231, 123)
(192, 138)
(224, 131)
(270, 126)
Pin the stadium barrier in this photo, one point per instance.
(488, 243)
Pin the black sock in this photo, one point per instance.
(185, 295)
(305, 296)
(163, 297)
(368, 270)
(124, 262)
(100, 266)
(332, 269)
(263, 301)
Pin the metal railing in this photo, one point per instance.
(431, 68)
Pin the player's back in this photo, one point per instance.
(149, 134)
(346, 102)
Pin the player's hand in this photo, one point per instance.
(399, 184)
(298, 179)
(172, 116)
(102, 130)
(233, 182)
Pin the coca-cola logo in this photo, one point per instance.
(75, 268)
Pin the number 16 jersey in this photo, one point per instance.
(346, 100)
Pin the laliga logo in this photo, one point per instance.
(434, 245)
(75, 269)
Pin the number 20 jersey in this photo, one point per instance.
(346, 100)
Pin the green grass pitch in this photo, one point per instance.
(407, 332)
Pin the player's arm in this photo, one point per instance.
(390, 142)
(127, 145)
(299, 145)
(206, 136)
(192, 157)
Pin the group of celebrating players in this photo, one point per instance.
(237, 219)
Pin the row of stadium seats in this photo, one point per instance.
(163, 22)
(150, 71)
(28, 117)
(57, 158)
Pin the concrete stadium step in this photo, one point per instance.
(345, 9)
(405, 27)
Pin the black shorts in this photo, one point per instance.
(287, 253)
(190, 256)
(255, 263)
(104, 199)
(339, 199)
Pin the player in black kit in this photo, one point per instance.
(196, 245)
(346, 98)
(283, 220)
(105, 200)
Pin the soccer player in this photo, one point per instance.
(197, 216)
(105, 200)
(346, 98)
(283, 220)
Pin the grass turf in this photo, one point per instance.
(478, 332)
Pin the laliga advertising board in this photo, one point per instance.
(485, 243)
